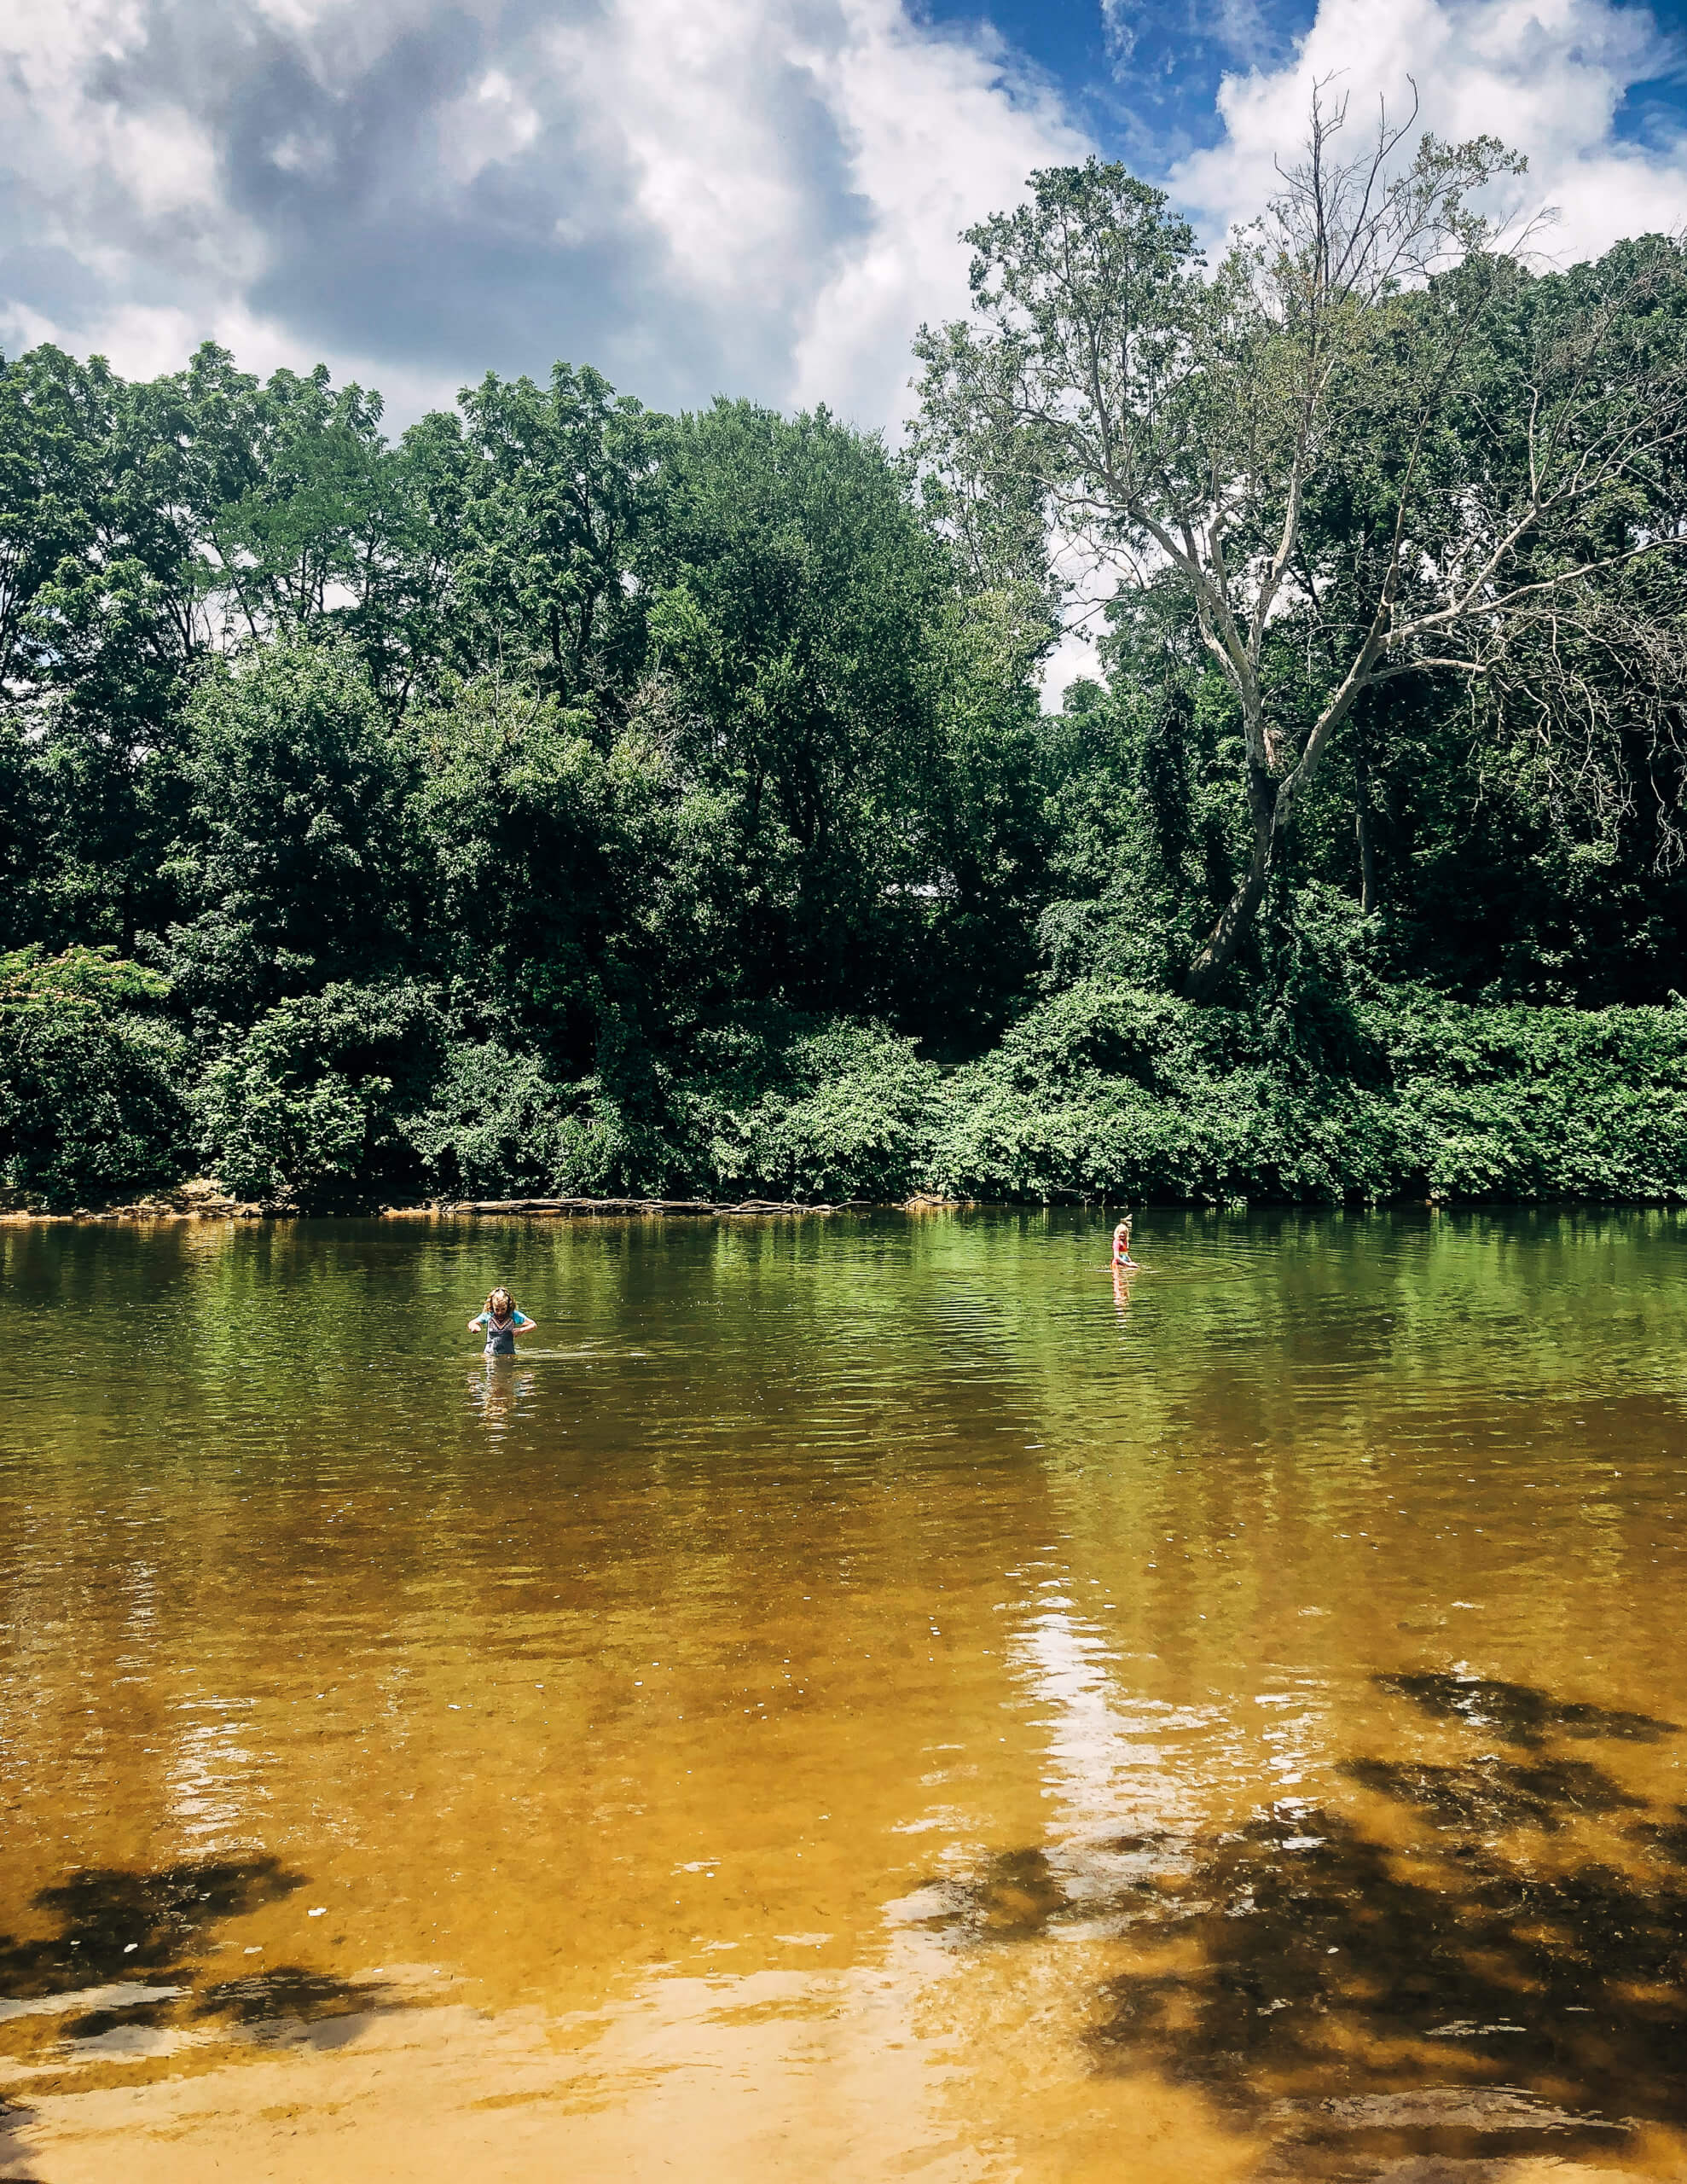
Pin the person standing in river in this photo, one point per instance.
(502, 1323)
(1122, 1244)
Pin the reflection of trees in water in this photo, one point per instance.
(1455, 1309)
(1513, 1980)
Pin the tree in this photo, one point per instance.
(534, 881)
(90, 1078)
(317, 1105)
(54, 418)
(793, 596)
(293, 863)
(549, 510)
(1367, 351)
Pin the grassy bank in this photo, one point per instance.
(373, 1094)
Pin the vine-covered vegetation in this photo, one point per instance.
(557, 797)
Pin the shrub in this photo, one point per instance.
(91, 1104)
(849, 1113)
(318, 1105)
(1109, 1093)
(361, 1093)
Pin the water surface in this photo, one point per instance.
(855, 1698)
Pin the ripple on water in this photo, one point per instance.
(1233, 1713)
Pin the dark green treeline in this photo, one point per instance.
(563, 797)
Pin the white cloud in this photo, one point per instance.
(937, 136)
(754, 196)
(1119, 30)
(1545, 76)
(758, 196)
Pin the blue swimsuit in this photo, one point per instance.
(501, 1334)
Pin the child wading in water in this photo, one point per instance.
(1122, 1244)
(502, 1323)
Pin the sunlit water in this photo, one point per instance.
(855, 1698)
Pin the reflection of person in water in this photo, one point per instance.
(502, 1323)
(1122, 1245)
(499, 1392)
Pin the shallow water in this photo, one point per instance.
(857, 1697)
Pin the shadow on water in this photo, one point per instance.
(117, 1934)
(1517, 1713)
(113, 1922)
(1480, 1986)
(288, 1995)
(1490, 1793)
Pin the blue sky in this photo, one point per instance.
(749, 196)
(1145, 78)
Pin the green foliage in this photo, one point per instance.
(83, 981)
(1109, 1092)
(90, 1080)
(23, 875)
(548, 520)
(839, 1112)
(494, 1125)
(1369, 447)
(317, 1105)
(564, 798)
(291, 862)
(556, 879)
(792, 591)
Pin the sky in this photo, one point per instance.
(758, 197)
(748, 197)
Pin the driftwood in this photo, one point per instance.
(641, 1206)
(199, 1202)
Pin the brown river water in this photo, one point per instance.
(857, 1697)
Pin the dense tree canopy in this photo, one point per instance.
(561, 793)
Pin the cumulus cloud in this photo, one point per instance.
(746, 197)
(1547, 76)
(756, 196)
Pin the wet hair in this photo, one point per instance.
(492, 1304)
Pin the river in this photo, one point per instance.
(855, 1698)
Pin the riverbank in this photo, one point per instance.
(1103, 1095)
(207, 1202)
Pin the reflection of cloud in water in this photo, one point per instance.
(1105, 1763)
(212, 1777)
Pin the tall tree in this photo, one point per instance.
(293, 861)
(1361, 340)
(792, 594)
(548, 516)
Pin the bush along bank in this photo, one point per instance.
(374, 1093)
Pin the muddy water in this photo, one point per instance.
(853, 1699)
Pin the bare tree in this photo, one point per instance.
(1355, 442)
